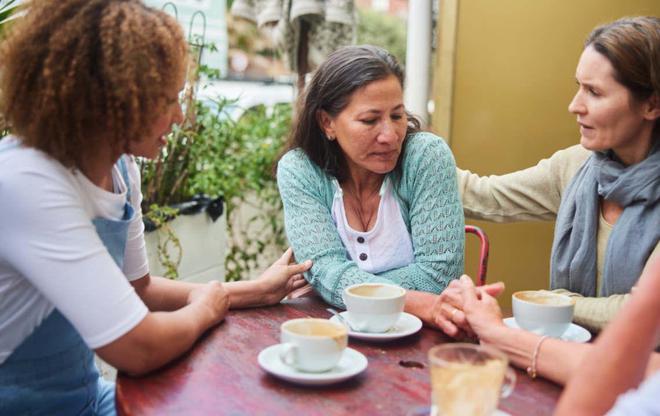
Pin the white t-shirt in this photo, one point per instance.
(51, 256)
(387, 245)
(640, 402)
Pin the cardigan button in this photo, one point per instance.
(363, 256)
(360, 240)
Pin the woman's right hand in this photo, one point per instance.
(482, 312)
(213, 297)
(448, 309)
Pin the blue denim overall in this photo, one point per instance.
(53, 372)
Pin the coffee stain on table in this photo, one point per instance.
(411, 364)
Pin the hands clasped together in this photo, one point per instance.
(465, 311)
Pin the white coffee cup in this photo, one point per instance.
(543, 312)
(312, 345)
(374, 307)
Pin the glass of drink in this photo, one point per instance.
(468, 379)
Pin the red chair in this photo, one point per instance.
(483, 252)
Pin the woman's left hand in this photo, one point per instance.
(281, 278)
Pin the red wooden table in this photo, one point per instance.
(221, 376)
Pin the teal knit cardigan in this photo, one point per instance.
(427, 194)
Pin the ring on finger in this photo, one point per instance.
(453, 313)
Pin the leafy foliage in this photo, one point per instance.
(382, 30)
(212, 154)
(8, 10)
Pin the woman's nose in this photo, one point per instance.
(576, 106)
(387, 133)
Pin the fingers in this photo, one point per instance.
(457, 318)
(468, 290)
(452, 296)
(302, 291)
(286, 257)
(493, 289)
(299, 268)
(297, 281)
(448, 328)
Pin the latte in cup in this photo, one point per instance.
(544, 298)
(543, 312)
(312, 345)
(468, 379)
(374, 307)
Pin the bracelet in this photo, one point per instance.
(531, 370)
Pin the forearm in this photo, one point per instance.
(556, 360)
(419, 304)
(616, 347)
(595, 313)
(244, 294)
(157, 339)
(161, 294)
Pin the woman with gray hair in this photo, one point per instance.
(367, 196)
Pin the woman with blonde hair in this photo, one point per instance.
(86, 85)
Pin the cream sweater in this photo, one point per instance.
(534, 194)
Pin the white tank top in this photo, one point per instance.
(387, 245)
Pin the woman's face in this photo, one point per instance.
(608, 115)
(170, 114)
(371, 129)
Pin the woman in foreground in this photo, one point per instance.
(86, 86)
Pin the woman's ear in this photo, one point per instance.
(652, 110)
(326, 123)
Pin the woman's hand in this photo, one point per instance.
(448, 309)
(481, 310)
(281, 278)
(213, 297)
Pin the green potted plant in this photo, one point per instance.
(211, 204)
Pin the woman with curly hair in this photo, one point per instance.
(86, 85)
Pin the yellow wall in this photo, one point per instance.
(513, 77)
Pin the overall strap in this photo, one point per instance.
(123, 169)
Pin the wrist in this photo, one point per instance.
(493, 334)
(244, 293)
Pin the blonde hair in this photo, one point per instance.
(76, 74)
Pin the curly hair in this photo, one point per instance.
(79, 74)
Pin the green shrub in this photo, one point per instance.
(216, 156)
(382, 30)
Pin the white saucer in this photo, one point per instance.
(351, 363)
(574, 333)
(406, 325)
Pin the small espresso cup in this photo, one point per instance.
(312, 345)
(468, 379)
(543, 312)
(374, 307)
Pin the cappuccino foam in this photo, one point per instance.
(549, 299)
(375, 291)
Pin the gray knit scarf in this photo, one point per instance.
(635, 234)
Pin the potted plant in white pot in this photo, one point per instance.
(210, 201)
